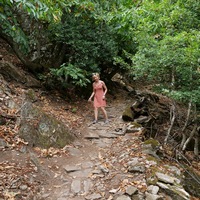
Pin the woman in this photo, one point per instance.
(99, 92)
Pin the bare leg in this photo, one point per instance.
(104, 113)
(95, 114)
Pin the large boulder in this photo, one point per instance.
(41, 129)
(128, 115)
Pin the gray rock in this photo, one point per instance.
(91, 135)
(119, 133)
(84, 173)
(23, 149)
(153, 189)
(174, 169)
(131, 190)
(11, 104)
(166, 178)
(142, 119)
(76, 186)
(162, 185)
(87, 184)
(87, 164)
(74, 151)
(113, 191)
(153, 196)
(44, 196)
(129, 88)
(151, 152)
(48, 132)
(61, 198)
(175, 192)
(93, 196)
(181, 192)
(138, 197)
(3, 144)
(23, 187)
(136, 168)
(123, 197)
(103, 169)
(133, 162)
(107, 135)
(96, 171)
(69, 168)
(132, 129)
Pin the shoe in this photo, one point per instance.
(95, 121)
(106, 122)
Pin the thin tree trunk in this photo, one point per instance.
(190, 137)
(188, 116)
(196, 139)
(196, 144)
(184, 137)
(172, 119)
(194, 130)
(173, 77)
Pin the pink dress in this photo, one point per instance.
(98, 96)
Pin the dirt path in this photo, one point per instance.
(84, 173)
(102, 163)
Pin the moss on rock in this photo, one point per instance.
(41, 129)
(154, 143)
(136, 124)
(128, 114)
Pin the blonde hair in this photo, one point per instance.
(95, 74)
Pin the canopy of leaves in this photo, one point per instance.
(51, 33)
(168, 48)
(89, 41)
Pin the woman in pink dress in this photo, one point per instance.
(99, 92)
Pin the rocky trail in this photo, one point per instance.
(105, 161)
(109, 161)
(86, 172)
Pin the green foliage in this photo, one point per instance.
(89, 40)
(155, 39)
(77, 75)
(11, 21)
(168, 47)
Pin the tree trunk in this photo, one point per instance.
(193, 132)
(172, 119)
(196, 139)
(184, 137)
(196, 144)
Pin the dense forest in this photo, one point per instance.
(62, 42)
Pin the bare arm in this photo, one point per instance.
(105, 89)
(91, 96)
